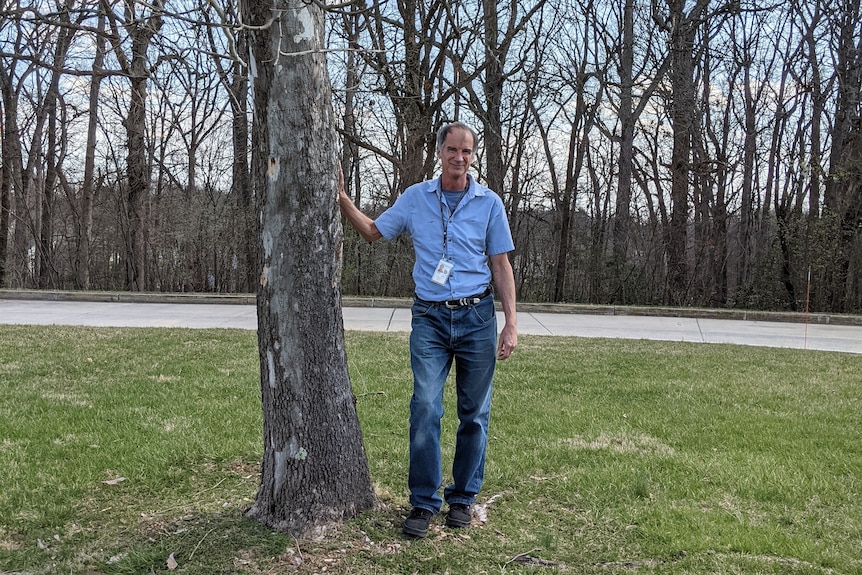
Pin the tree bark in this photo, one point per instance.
(314, 467)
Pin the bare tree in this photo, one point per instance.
(843, 197)
(631, 106)
(581, 73)
(89, 185)
(746, 29)
(141, 23)
(622, 211)
(26, 71)
(233, 74)
(314, 467)
(47, 274)
(190, 106)
(781, 196)
(498, 45)
(10, 145)
(681, 27)
(351, 162)
(405, 54)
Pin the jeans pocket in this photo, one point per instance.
(484, 311)
(420, 308)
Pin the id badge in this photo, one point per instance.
(441, 273)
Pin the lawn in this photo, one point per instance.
(137, 451)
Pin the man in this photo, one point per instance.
(458, 228)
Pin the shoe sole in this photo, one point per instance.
(456, 523)
(418, 533)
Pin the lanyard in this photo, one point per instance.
(443, 217)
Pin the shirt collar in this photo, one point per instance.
(473, 189)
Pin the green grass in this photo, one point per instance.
(120, 448)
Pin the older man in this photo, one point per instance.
(461, 240)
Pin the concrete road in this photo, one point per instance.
(393, 318)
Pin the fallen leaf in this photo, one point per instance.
(481, 513)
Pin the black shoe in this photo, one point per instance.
(416, 524)
(459, 515)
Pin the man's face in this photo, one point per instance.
(456, 155)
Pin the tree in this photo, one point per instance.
(497, 49)
(25, 71)
(681, 29)
(47, 276)
(628, 113)
(141, 26)
(88, 186)
(843, 194)
(314, 466)
(622, 218)
(233, 73)
(10, 143)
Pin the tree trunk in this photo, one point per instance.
(844, 184)
(241, 186)
(47, 275)
(495, 57)
(563, 216)
(88, 187)
(622, 211)
(9, 149)
(138, 181)
(412, 107)
(682, 32)
(749, 151)
(140, 30)
(351, 160)
(16, 256)
(314, 467)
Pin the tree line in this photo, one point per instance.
(671, 152)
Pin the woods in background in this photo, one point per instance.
(695, 153)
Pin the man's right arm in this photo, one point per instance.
(359, 221)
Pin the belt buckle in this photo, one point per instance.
(463, 302)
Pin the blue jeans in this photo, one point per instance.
(467, 335)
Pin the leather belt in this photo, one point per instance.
(464, 301)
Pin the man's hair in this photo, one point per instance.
(446, 128)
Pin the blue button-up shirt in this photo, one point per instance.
(476, 230)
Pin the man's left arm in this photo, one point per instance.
(504, 287)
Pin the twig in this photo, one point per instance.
(192, 554)
(519, 555)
